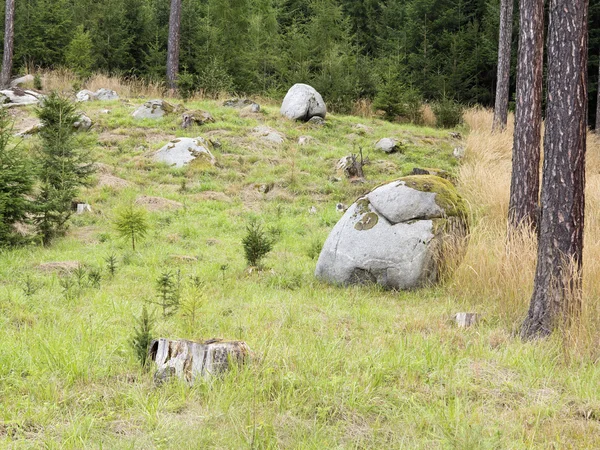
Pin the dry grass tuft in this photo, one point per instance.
(496, 275)
(428, 116)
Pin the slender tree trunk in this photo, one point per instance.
(9, 37)
(525, 182)
(503, 79)
(173, 46)
(597, 128)
(556, 294)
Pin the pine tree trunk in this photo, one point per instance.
(9, 36)
(503, 79)
(173, 46)
(597, 128)
(557, 285)
(525, 182)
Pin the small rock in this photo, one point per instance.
(316, 120)
(465, 319)
(83, 208)
(105, 111)
(83, 123)
(362, 129)
(196, 117)
(459, 152)
(455, 135)
(265, 187)
(305, 140)
(85, 96)
(340, 207)
(153, 109)
(33, 129)
(268, 134)
(106, 94)
(388, 145)
(182, 151)
(242, 103)
(312, 210)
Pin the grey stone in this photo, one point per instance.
(388, 145)
(85, 96)
(22, 80)
(242, 103)
(303, 102)
(268, 134)
(106, 94)
(305, 140)
(197, 117)
(459, 152)
(317, 120)
(83, 123)
(388, 238)
(362, 129)
(153, 109)
(182, 151)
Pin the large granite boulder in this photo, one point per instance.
(182, 151)
(153, 109)
(405, 234)
(25, 79)
(303, 102)
(18, 96)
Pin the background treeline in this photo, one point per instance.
(347, 49)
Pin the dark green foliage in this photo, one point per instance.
(111, 264)
(257, 243)
(169, 292)
(399, 101)
(16, 181)
(63, 166)
(30, 286)
(37, 82)
(95, 277)
(142, 337)
(448, 113)
(78, 55)
(186, 83)
(131, 224)
(314, 248)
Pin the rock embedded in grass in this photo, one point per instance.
(302, 102)
(405, 234)
(388, 145)
(153, 109)
(196, 117)
(268, 134)
(19, 97)
(182, 151)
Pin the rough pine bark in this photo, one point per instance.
(558, 274)
(503, 78)
(9, 36)
(597, 128)
(173, 44)
(525, 182)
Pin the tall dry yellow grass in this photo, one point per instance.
(497, 276)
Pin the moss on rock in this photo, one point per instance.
(446, 196)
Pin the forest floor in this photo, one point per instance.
(334, 367)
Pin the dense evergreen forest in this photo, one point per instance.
(346, 49)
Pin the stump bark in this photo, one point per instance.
(190, 360)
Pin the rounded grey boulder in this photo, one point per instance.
(153, 109)
(402, 235)
(303, 102)
(182, 151)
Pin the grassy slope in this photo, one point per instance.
(335, 368)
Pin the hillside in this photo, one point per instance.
(333, 367)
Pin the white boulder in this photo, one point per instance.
(303, 102)
(182, 151)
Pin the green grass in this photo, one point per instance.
(332, 367)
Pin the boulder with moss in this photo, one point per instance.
(406, 234)
(153, 109)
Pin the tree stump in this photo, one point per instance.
(465, 319)
(192, 360)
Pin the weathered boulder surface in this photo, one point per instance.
(182, 151)
(17, 96)
(197, 117)
(242, 103)
(303, 102)
(388, 145)
(22, 80)
(268, 134)
(191, 361)
(153, 109)
(83, 123)
(100, 94)
(405, 234)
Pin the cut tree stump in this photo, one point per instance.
(190, 360)
(465, 319)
